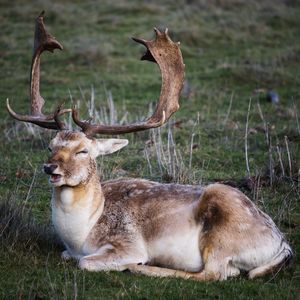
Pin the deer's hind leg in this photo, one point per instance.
(206, 274)
(164, 272)
(216, 266)
(157, 271)
(217, 246)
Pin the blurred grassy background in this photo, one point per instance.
(234, 51)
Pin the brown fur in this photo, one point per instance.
(160, 197)
(60, 156)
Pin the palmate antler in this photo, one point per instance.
(42, 41)
(167, 55)
(161, 50)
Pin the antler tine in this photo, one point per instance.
(42, 41)
(167, 55)
(61, 125)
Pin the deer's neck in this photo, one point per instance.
(75, 210)
(84, 195)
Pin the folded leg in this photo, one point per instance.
(109, 258)
(164, 272)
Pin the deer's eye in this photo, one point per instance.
(49, 149)
(82, 152)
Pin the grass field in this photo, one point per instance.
(235, 52)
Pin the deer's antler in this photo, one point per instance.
(42, 41)
(167, 55)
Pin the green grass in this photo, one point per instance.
(232, 49)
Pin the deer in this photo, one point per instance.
(210, 232)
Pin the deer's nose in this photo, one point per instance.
(49, 168)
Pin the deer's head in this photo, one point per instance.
(72, 156)
(73, 153)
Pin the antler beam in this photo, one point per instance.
(42, 41)
(167, 55)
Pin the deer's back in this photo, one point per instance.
(148, 205)
(147, 199)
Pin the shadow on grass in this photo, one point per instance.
(18, 228)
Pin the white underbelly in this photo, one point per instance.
(178, 250)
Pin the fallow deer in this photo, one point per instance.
(202, 232)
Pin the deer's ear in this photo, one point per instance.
(107, 146)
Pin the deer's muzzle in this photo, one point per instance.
(49, 168)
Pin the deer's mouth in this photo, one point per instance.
(54, 178)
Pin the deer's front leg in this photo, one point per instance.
(111, 259)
